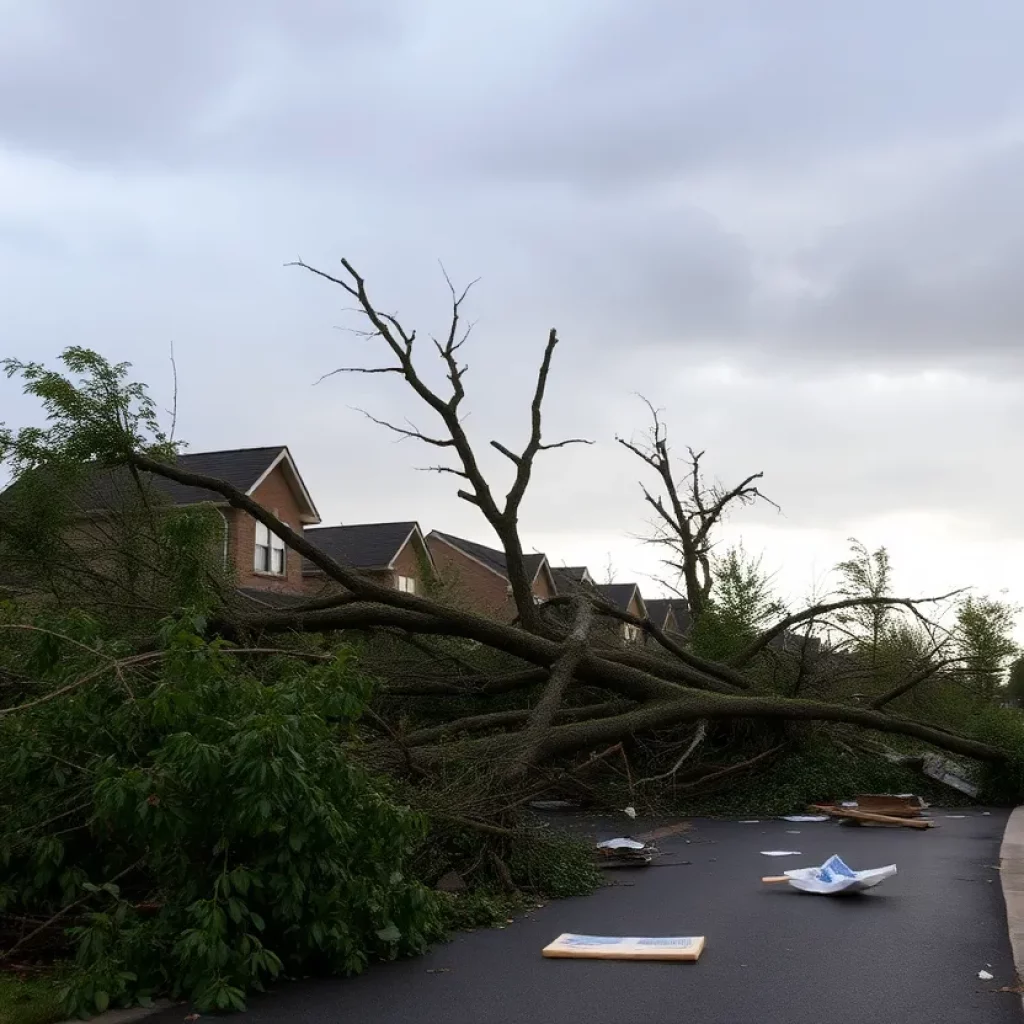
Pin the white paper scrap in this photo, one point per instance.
(620, 844)
(780, 853)
(984, 975)
(835, 876)
(629, 811)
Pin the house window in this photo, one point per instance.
(269, 555)
(406, 584)
(630, 633)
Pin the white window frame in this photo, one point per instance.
(630, 633)
(270, 556)
(406, 584)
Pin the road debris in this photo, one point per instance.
(780, 853)
(805, 817)
(900, 805)
(832, 878)
(612, 947)
(949, 773)
(985, 975)
(624, 853)
(854, 815)
(630, 812)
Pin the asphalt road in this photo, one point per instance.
(910, 950)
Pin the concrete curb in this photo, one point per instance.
(126, 1016)
(1011, 871)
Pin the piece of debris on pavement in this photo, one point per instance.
(949, 773)
(610, 947)
(856, 816)
(832, 878)
(805, 817)
(780, 853)
(630, 812)
(901, 805)
(985, 975)
(624, 853)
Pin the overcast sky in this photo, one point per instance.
(796, 226)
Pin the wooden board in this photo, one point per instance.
(866, 816)
(612, 947)
(895, 806)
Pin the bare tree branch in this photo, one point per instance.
(818, 610)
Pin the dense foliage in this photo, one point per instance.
(204, 827)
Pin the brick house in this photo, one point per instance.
(395, 554)
(627, 598)
(670, 614)
(256, 559)
(569, 577)
(479, 574)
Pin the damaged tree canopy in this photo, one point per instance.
(586, 694)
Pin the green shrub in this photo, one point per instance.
(817, 771)
(204, 827)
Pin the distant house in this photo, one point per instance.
(481, 573)
(257, 559)
(569, 578)
(670, 614)
(626, 597)
(395, 554)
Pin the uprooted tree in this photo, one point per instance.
(469, 716)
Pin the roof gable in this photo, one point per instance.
(492, 558)
(660, 608)
(243, 468)
(619, 595)
(568, 577)
(367, 546)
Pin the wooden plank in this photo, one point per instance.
(895, 806)
(608, 947)
(884, 819)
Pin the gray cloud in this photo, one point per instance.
(803, 192)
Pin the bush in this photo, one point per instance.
(816, 771)
(203, 827)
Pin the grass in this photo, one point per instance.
(28, 1000)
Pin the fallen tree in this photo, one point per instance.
(470, 717)
(111, 421)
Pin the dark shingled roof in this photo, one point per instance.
(568, 577)
(240, 467)
(491, 557)
(365, 546)
(659, 607)
(618, 595)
